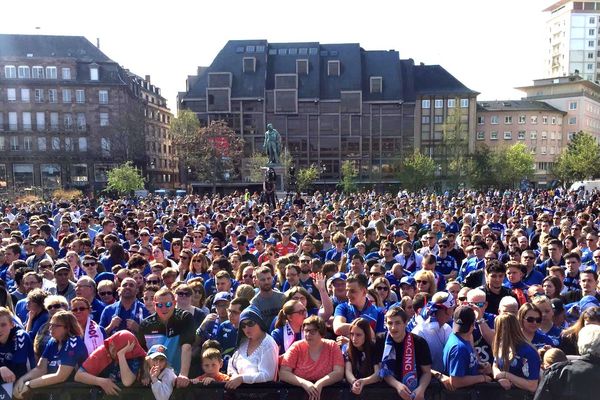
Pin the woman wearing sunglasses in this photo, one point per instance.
(382, 288)
(516, 361)
(54, 304)
(288, 324)
(256, 358)
(530, 318)
(63, 354)
(93, 334)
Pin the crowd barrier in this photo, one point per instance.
(275, 391)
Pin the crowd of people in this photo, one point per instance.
(463, 288)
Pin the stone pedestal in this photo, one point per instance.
(280, 172)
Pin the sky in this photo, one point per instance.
(490, 46)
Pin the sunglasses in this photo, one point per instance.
(184, 258)
(183, 294)
(105, 293)
(153, 282)
(247, 324)
(144, 234)
(375, 273)
(462, 298)
(52, 325)
(304, 261)
(168, 304)
(55, 306)
(422, 282)
(89, 264)
(531, 320)
(79, 309)
(302, 312)
(382, 288)
(479, 304)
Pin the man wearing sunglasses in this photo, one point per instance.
(127, 313)
(483, 334)
(173, 328)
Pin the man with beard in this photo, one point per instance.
(127, 313)
(495, 272)
(268, 301)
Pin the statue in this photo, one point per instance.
(272, 144)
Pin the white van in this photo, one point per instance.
(585, 185)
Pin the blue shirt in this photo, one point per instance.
(534, 278)
(445, 265)
(72, 353)
(459, 357)
(482, 347)
(472, 264)
(370, 312)
(540, 339)
(227, 338)
(525, 364)
(17, 353)
(278, 335)
(137, 312)
(97, 308)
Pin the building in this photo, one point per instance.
(573, 39)
(68, 114)
(536, 124)
(330, 102)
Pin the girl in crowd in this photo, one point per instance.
(312, 363)
(184, 263)
(569, 337)
(176, 247)
(54, 304)
(362, 356)
(425, 282)
(183, 297)
(384, 292)
(15, 342)
(530, 319)
(37, 315)
(308, 301)
(516, 361)
(547, 325)
(63, 354)
(245, 274)
(552, 287)
(198, 267)
(288, 325)
(93, 334)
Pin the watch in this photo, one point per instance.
(28, 384)
(480, 321)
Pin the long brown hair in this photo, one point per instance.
(507, 338)
(354, 354)
(287, 309)
(69, 321)
(592, 314)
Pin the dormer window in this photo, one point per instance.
(376, 84)
(94, 72)
(302, 67)
(333, 68)
(249, 65)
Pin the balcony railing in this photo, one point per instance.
(277, 391)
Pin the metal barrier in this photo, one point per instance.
(276, 391)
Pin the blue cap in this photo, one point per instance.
(336, 276)
(408, 280)
(158, 350)
(104, 276)
(222, 296)
(587, 302)
(400, 233)
(271, 241)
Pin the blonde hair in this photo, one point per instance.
(427, 276)
(507, 337)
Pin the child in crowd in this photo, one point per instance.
(162, 377)
(212, 361)
(552, 356)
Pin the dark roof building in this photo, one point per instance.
(330, 102)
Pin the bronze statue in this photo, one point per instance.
(272, 144)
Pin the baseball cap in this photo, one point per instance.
(158, 350)
(400, 233)
(39, 242)
(464, 317)
(408, 280)
(337, 276)
(557, 305)
(222, 296)
(59, 266)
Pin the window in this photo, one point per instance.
(572, 105)
(66, 96)
(68, 144)
(508, 119)
(543, 150)
(23, 175)
(425, 103)
(376, 84)
(333, 68)
(480, 120)
(14, 143)
(55, 143)
(534, 119)
(451, 103)
(54, 121)
(533, 135)
(80, 96)
(39, 95)
(11, 94)
(27, 143)
(590, 67)
(507, 135)
(572, 120)
(10, 72)
(105, 147)
(81, 122)
(82, 144)
(590, 55)
(24, 72)
(545, 120)
(26, 118)
(592, 20)
(103, 96)
(249, 64)
(2, 143)
(66, 73)
(464, 103)
(544, 135)
(591, 32)
(438, 119)
(302, 67)
(590, 43)
(522, 119)
(93, 73)
(40, 121)
(25, 95)
(494, 135)
(68, 121)
(52, 95)
(553, 120)
(37, 72)
(51, 73)
(103, 119)
(481, 135)
(425, 119)
(494, 119)
(12, 121)
(439, 103)
(41, 144)
(552, 135)
(521, 135)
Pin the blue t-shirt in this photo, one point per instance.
(459, 357)
(445, 265)
(17, 353)
(482, 347)
(96, 311)
(227, 338)
(72, 353)
(370, 312)
(278, 335)
(534, 278)
(540, 339)
(137, 312)
(526, 363)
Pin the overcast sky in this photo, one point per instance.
(490, 46)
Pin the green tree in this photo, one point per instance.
(305, 177)
(455, 156)
(124, 179)
(418, 171)
(579, 161)
(479, 167)
(512, 164)
(349, 175)
(255, 166)
(213, 153)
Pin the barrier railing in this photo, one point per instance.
(276, 391)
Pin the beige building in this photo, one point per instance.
(536, 124)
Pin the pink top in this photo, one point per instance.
(297, 357)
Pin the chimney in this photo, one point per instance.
(147, 78)
(98, 43)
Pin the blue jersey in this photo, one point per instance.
(137, 312)
(540, 339)
(445, 265)
(227, 338)
(469, 265)
(278, 335)
(482, 347)
(369, 311)
(459, 357)
(72, 353)
(17, 353)
(525, 364)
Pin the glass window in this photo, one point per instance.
(80, 96)
(105, 147)
(26, 116)
(3, 181)
(79, 173)
(23, 175)
(52, 95)
(425, 103)
(68, 121)
(56, 143)
(10, 72)
(82, 144)
(39, 95)
(439, 103)
(25, 95)
(93, 73)
(37, 72)
(66, 96)
(103, 119)
(24, 72)
(11, 94)
(464, 103)
(41, 143)
(27, 143)
(51, 73)
(66, 73)
(103, 96)
(50, 176)
(451, 103)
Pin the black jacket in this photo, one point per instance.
(578, 379)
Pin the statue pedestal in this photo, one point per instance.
(280, 172)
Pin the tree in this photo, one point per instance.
(579, 161)
(306, 177)
(480, 165)
(349, 175)
(455, 144)
(255, 166)
(418, 171)
(213, 153)
(124, 179)
(512, 164)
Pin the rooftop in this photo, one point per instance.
(77, 47)
(515, 105)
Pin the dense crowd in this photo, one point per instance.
(463, 288)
